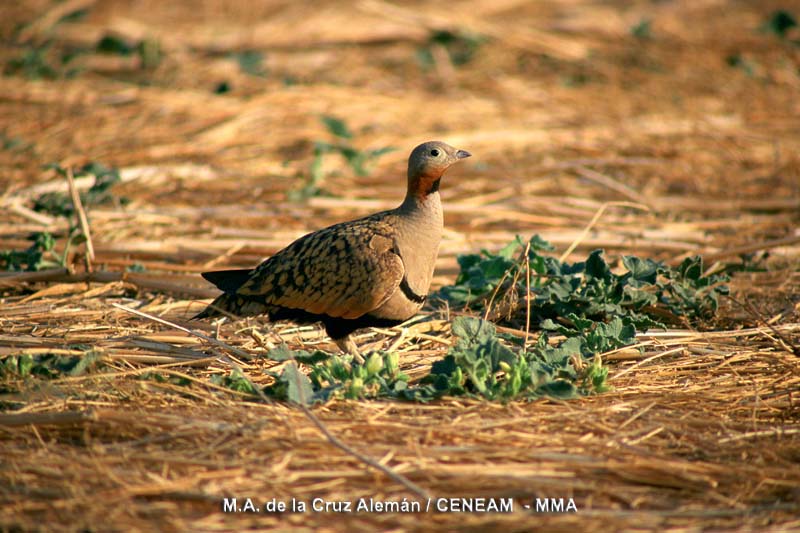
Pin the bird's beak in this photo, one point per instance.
(462, 154)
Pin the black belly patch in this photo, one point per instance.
(336, 327)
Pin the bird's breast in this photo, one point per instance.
(417, 238)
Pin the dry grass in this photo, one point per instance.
(564, 111)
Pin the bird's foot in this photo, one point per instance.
(347, 345)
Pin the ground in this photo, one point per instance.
(679, 120)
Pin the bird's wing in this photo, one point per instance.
(344, 271)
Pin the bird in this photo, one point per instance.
(374, 271)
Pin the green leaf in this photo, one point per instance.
(303, 357)
(281, 353)
(374, 364)
(691, 268)
(25, 365)
(596, 266)
(83, 363)
(49, 365)
(642, 271)
(250, 62)
(509, 250)
(779, 23)
(112, 44)
(44, 241)
(537, 244)
(596, 378)
(461, 47)
(643, 30)
(34, 63)
(336, 126)
(373, 154)
(298, 386)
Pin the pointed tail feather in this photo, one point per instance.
(229, 303)
(228, 280)
(233, 306)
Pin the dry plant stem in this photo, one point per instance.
(58, 418)
(494, 294)
(750, 248)
(594, 220)
(316, 421)
(407, 483)
(527, 293)
(82, 219)
(63, 275)
(646, 360)
(763, 433)
(39, 27)
(197, 334)
(612, 184)
(785, 343)
(31, 215)
(500, 284)
(166, 369)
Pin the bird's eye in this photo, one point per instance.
(435, 152)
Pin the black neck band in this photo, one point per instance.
(409, 292)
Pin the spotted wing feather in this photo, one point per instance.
(346, 271)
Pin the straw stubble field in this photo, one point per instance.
(211, 111)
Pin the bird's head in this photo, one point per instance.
(427, 163)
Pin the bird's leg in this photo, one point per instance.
(347, 345)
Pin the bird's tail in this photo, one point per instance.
(229, 303)
(228, 280)
(233, 306)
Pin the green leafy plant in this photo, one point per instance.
(60, 204)
(478, 365)
(251, 62)
(235, 381)
(45, 61)
(114, 45)
(333, 377)
(461, 47)
(16, 366)
(48, 365)
(746, 65)
(42, 60)
(594, 308)
(643, 30)
(41, 254)
(482, 273)
(38, 256)
(596, 376)
(13, 144)
(780, 23)
(358, 160)
(136, 267)
(172, 380)
(644, 294)
(34, 63)
(148, 49)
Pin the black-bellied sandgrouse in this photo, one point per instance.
(373, 271)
